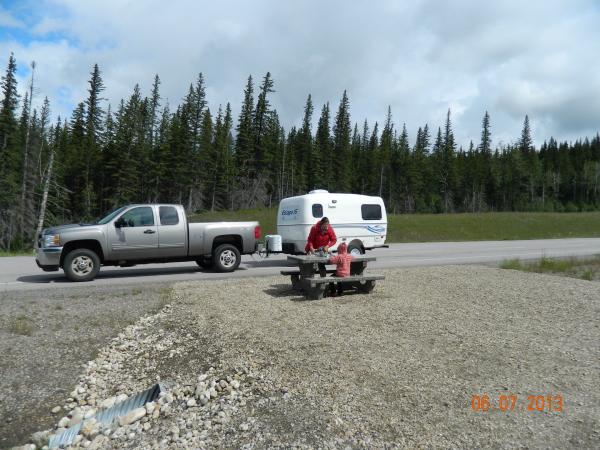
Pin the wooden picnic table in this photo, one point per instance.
(312, 278)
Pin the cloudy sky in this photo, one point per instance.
(420, 57)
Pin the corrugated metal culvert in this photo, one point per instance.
(107, 416)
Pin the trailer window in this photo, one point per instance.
(168, 215)
(371, 212)
(317, 210)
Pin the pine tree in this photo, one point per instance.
(310, 170)
(323, 148)
(244, 144)
(94, 117)
(341, 147)
(260, 124)
(9, 154)
(526, 143)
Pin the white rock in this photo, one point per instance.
(108, 403)
(56, 410)
(191, 403)
(147, 426)
(120, 398)
(150, 407)
(132, 416)
(202, 377)
(223, 384)
(213, 393)
(235, 384)
(89, 413)
(244, 427)
(99, 442)
(76, 418)
(90, 428)
(203, 400)
(64, 422)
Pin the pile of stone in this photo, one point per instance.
(188, 413)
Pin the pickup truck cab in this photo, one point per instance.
(141, 234)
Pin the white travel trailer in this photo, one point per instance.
(358, 220)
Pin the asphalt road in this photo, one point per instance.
(20, 272)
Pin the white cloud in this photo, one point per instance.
(8, 20)
(510, 58)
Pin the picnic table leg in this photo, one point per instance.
(322, 270)
(357, 267)
(296, 282)
(316, 293)
(367, 287)
(306, 271)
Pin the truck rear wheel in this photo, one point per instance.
(81, 264)
(226, 258)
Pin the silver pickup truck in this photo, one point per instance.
(141, 234)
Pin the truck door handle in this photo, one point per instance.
(149, 232)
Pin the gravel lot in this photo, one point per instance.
(394, 368)
(46, 336)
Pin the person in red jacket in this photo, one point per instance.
(321, 236)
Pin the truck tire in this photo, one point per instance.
(81, 264)
(205, 263)
(355, 248)
(226, 258)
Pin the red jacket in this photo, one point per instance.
(318, 239)
(342, 262)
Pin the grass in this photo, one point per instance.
(22, 325)
(583, 268)
(16, 253)
(452, 227)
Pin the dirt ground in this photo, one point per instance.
(46, 337)
(396, 368)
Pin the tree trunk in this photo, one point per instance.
(44, 200)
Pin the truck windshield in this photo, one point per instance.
(111, 215)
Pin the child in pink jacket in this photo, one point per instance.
(342, 262)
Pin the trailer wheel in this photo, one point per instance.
(226, 258)
(81, 264)
(355, 248)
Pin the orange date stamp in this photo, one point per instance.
(485, 403)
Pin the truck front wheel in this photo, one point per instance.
(81, 264)
(226, 258)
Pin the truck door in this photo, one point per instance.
(134, 235)
(172, 232)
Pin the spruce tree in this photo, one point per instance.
(244, 144)
(340, 168)
(322, 150)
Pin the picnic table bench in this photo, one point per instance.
(312, 279)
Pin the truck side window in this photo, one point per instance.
(168, 215)
(317, 210)
(371, 212)
(139, 217)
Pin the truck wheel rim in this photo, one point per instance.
(228, 258)
(82, 265)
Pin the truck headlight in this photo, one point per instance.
(52, 240)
